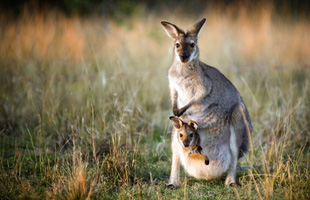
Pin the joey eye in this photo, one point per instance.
(177, 45)
(192, 45)
(181, 135)
(191, 135)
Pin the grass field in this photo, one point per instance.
(84, 105)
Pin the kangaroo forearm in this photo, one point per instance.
(179, 112)
(174, 98)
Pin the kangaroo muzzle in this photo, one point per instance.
(184, 57)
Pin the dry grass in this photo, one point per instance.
(84, 104)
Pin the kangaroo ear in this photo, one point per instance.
(193, 124)
(196, 28)
(171, 29)
(176, 122)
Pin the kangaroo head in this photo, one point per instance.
(185, 44)
(186, 131)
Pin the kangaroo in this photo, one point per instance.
(189, 137)
(203, 94)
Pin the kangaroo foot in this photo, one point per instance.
(235, 185)
(171, 186)
(232, 182)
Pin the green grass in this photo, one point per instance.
(84, 108)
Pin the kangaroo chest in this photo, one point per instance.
(187, 87)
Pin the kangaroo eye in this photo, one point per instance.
(177, 45)
(181, 135)
(192, 45)
(191, 135)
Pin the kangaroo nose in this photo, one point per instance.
(184, 56)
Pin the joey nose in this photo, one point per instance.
(186, 144)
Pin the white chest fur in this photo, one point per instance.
(187, 86)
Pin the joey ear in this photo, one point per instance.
(171, 29)
(195, 30)
(176, 122)
(193, 124)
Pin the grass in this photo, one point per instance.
(84, 105)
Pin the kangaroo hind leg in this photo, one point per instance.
(231, 174)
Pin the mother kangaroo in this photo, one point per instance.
(203, 94)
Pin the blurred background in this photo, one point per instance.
(241, 32)
(84, 82)
(61, 52)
